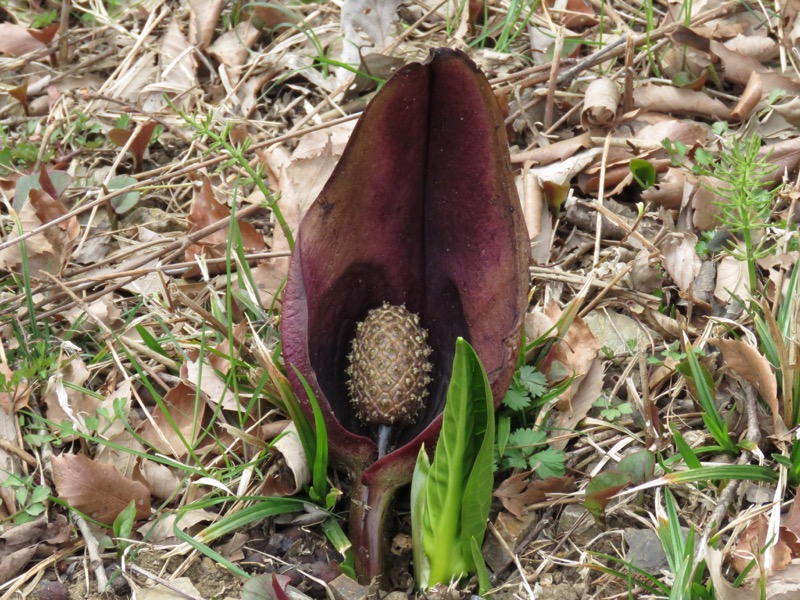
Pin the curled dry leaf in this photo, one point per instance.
(753, 543)
(19, 543)
(574, 404)
(600, 103)
(760, 47)
(197, 373)
(521, 490)
(759, 87)
(48, 251)
(203, 17)
(537, 216)
(573, 355)
(100, 491)
(664, 98)
(680, 259)
(733, 280)
(747, 362)
(232, 48)
(722, 587)
(186, 417)
(668, 192)
(16, 40)
(69, 402)
(207, 210)
(558, 151)
(292, 457)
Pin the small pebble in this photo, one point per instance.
(55, 590)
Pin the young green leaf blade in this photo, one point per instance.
(478, 491)
(451, 492)
(419, 481)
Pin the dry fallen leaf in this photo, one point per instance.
(733, 280)
(203, 17)
(20, 543)
(576, 402)
(201, 374)
(747, 362)
(16, 40)
(664, 98)
(573, 355)
(207, 210)
(600, 103)
(99, 491)
(521, 490)
(64, 398)
(232, 48)
(292, 457)
(557, 151)
(680, 259)
(752, 544)
(186, 413)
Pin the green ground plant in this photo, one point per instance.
(451, 495)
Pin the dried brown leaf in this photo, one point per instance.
(668, 192)
(760, 47)
(664, 98)
(205, 211)
(733, 280)
(680, 259)
(200, 374)
(121, 453)
(600, 103)
(278, 481)
(275, 19)
(20, 543)
(69, 402)
(537, 216)
(186, 413)
(706, 202)
(100, 491)
(521, 490)
(203, 18)
(747, 362)
(759, 87)
(723, 589)
(574, 354)
(162, 481)
(302, 177)
(16, 40)
(751, 545)
(557, 151)
(233, 47)
(177, 63)
(576, 402)
(737, 67)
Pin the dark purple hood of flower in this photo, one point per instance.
(422, 211)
